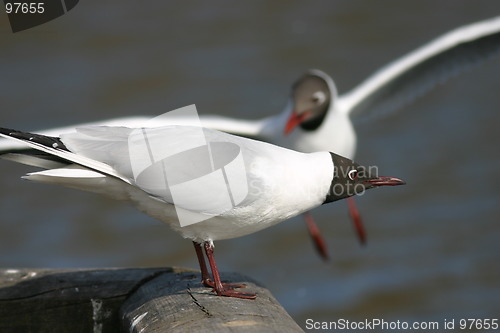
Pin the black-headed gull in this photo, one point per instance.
(218, 187)
(317, 119)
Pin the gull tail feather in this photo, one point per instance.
(54, 147)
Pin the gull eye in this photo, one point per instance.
(353, 174)
(318, 97)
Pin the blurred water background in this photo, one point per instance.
(434, 244)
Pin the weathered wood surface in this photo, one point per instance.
(178, 303)
(83, 300)
(131, 300)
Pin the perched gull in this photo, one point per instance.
(317, 119)
(205, 184)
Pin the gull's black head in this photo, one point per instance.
(311, 99)
(350, 178)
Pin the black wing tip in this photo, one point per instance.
(7, 131)
(48, 141)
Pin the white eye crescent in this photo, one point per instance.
(319, 97)
(353, 174)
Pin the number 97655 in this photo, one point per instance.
(24, 8)
(478, 324)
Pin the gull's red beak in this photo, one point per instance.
(295, 120)
(385, 181)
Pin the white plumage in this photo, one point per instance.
(146, 166)
(281, 183)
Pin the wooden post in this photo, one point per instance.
(133, 300)
(178, 303)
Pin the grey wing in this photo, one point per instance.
(105, 144)
(418, 72)
(197, 169)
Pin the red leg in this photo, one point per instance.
(205, 276)
(318, 240)
(220, 289)
(356, 220)
(206, 280)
